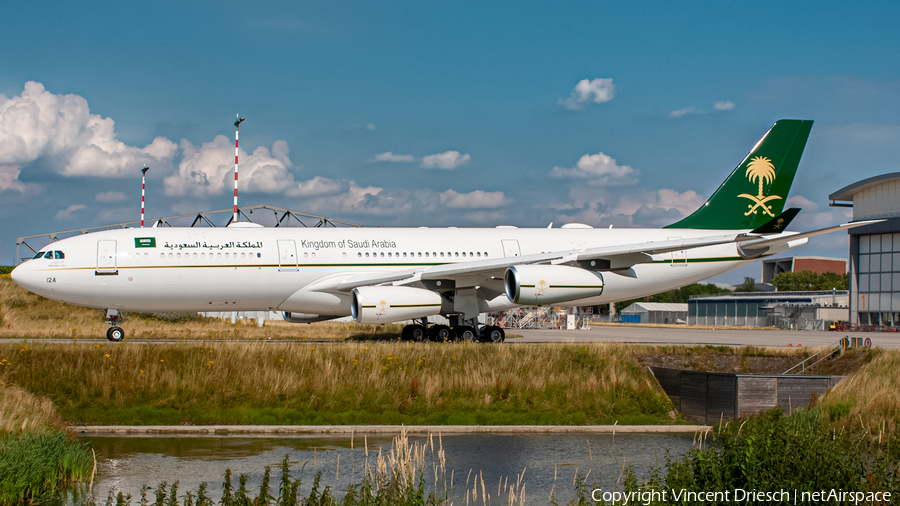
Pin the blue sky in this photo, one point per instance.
(424, 113)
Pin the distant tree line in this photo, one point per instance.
(805, 281)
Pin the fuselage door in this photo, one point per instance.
(510, 248)
(106, 258)
(287, 255)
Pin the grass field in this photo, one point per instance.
(378, 382)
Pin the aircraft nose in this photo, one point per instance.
(22, 276)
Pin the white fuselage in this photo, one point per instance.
(247, 269)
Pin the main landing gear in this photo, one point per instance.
(115, 333)
(468, 332)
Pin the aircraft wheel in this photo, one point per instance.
(412, 333)
(492, 334)
(440, 333)
(115, 334)
(417, 332)
(467, 334)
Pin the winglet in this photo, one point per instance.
(777, 224)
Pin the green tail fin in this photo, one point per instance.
(757, 189)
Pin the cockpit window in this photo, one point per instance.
(49, 255)
(39, 254)
(59, 255)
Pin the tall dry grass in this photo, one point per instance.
(375, 382)
(27, 315)
(21, 411)
(869, 399)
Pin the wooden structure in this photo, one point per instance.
(708, 397)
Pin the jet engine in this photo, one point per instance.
(548, 284)
(386, 304)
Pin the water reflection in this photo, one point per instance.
(549, 461)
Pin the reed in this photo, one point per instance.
(37, 457)
(354, 382)
(34, 466)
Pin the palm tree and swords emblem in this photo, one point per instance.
(762, 171)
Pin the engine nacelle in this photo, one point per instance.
(306, 317)
(549, 284)
(386, 304)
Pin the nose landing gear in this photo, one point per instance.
(115, 333)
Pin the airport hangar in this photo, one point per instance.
(874, 249)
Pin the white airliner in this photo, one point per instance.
(394, 274)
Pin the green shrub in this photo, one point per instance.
(839, 410)
(771, 452)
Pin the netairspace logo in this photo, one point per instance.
(738, 496)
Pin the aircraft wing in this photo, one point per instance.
(759, 246)
(471, 273)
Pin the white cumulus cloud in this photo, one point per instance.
(477, 199)
(640, 208)
(209, 169)
(600, 170)
(65, 214)
(725, 105)
(586, 91)
(9, 178)
(681, 112)
(445, 160)
(111, 197)
(391, 157)
(316, 186)
(60, 129)
(802, 202)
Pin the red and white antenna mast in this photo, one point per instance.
(237, 127)
(143, 189)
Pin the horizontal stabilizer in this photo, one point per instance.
(779, 223)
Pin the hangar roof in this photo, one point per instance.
(846, 193)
